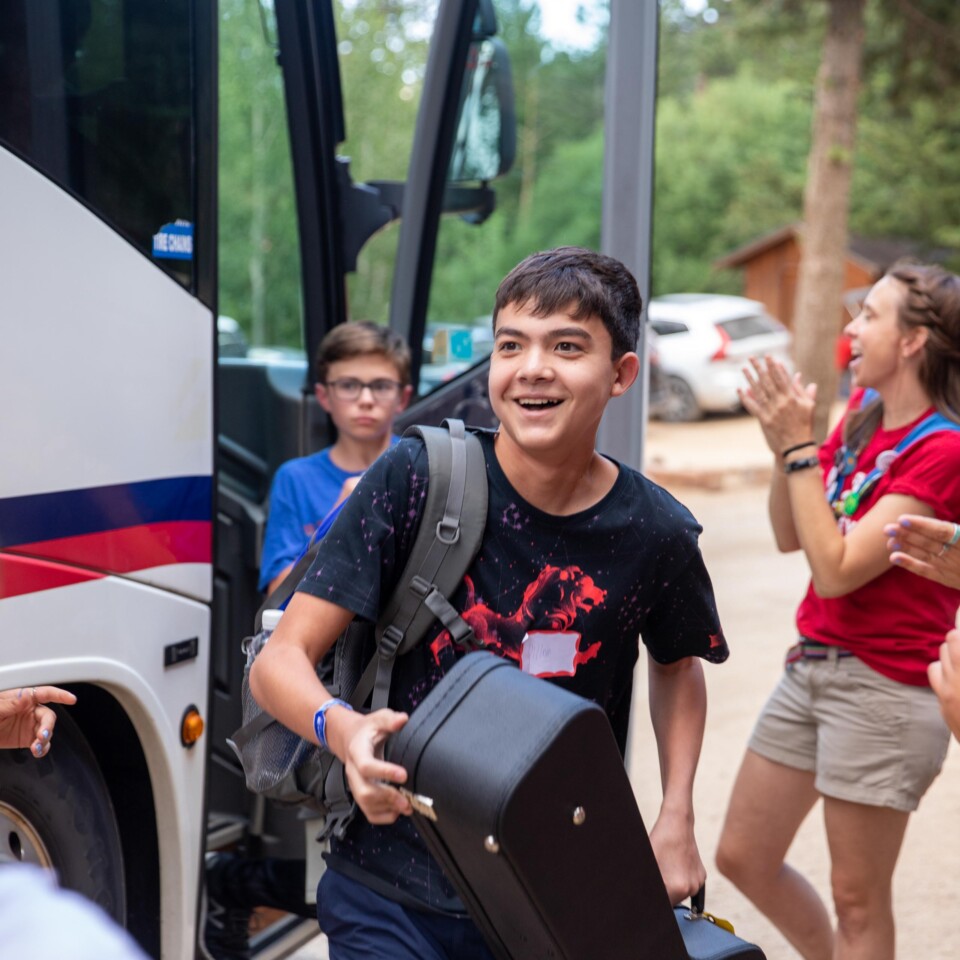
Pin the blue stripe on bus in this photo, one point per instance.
(70, 513)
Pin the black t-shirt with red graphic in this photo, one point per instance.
(565, 597)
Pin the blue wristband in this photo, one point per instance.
(320, 720)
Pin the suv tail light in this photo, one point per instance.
(721, 353)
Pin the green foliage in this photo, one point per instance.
(553, 193)
(563, 208)
(730, 166)
(733, 136)
(383, 57)
(258, 248)
(775, 39)
(911, 50)
(905, 182)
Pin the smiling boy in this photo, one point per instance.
(580, 557)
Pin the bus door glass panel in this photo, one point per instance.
(383, 57)
(551, 194)
(259, 251)
(98, 95)
(470, 262)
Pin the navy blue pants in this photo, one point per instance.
(362, 925)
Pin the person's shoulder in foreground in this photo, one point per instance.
(39, 919)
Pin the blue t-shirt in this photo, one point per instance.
(303, 492)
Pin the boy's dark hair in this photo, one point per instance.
(581, 283)
(360, 338)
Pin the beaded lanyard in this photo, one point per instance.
(846, 463)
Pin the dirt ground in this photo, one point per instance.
(719, 468)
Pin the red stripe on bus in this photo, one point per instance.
(130, 548)
(19, 575)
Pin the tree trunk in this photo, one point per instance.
(529, 147)
(826, 205)
(256, 265)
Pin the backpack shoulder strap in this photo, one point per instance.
(451, 528)
(284, 590)
(447, 539)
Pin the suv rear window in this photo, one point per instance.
(666, 327)
(755, 325)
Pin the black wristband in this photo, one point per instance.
(804, 464)
(798, 446)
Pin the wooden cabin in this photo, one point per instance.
(771, 262)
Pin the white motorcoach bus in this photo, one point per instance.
(135, 467)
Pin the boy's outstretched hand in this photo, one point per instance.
(25, 721)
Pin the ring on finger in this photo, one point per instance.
(956, 535)
(943, 549)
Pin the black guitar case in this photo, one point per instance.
(521, 795)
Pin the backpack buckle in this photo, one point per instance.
(390, 642)
(421, 587)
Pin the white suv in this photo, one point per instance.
(703, 341)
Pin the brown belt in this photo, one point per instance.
(813, 650)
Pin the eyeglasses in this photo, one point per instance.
(349, 388)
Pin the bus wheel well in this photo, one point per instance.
(119, 752)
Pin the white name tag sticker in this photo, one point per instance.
(547, 653)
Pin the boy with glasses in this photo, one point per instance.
(363, 382)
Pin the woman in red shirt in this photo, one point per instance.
(853, 720)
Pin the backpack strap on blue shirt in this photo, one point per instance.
(280, 596)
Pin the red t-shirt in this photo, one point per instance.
(896, 622)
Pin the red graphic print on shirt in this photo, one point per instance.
(550, 605)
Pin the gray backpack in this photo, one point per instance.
(281, 765)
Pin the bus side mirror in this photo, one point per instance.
(485, 24)
(486, 141)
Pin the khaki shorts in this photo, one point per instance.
(867, 738)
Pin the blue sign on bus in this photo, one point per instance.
(174, 241)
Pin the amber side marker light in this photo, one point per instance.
(191, 726)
